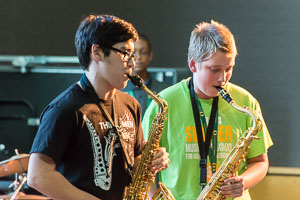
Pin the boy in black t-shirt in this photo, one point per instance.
(90, 136)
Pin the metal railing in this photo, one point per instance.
(69, 65)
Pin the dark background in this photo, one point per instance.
(266, 32)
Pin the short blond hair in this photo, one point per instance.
(207, 38)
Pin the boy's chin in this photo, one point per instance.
(124, 84)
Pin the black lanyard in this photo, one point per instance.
(203, 143)
(86, 85)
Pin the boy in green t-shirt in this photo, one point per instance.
(211, 59)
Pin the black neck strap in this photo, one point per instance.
(87, 86)
(203, 143)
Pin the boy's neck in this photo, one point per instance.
(101, 87)
(200, 94)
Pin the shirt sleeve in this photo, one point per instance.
(54, 133)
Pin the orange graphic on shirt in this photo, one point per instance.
(224, 134)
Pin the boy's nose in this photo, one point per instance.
(222, 76)
(131, 63)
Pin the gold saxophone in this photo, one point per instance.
(143, 177)
(230, 165)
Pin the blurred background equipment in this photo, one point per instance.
(17, 165)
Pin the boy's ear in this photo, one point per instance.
(151, 56)
(97, 53)
(192, 66)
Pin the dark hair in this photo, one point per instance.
(144, 37)
(104, 30)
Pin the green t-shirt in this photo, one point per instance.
(179, 136)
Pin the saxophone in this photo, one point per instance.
(230, 165)
(143, 177)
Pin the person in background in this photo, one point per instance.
(197, 146)
(144, 54)
(90, 136)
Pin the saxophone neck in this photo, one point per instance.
(226, 96)
(139, 82)
(136, 80)
(255, 116)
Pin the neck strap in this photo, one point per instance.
(87, 86)
(204, 138)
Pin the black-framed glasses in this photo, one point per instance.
(126, 56)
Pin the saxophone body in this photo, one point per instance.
(231, 163)
(143, 177)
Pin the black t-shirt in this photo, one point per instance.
(75, 134)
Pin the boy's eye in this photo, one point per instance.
(229, 69)
(214, 70)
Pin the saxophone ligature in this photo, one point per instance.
(142, 177)
(229, 167)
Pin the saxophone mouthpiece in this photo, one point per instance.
(136, 80)
(226, 96)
